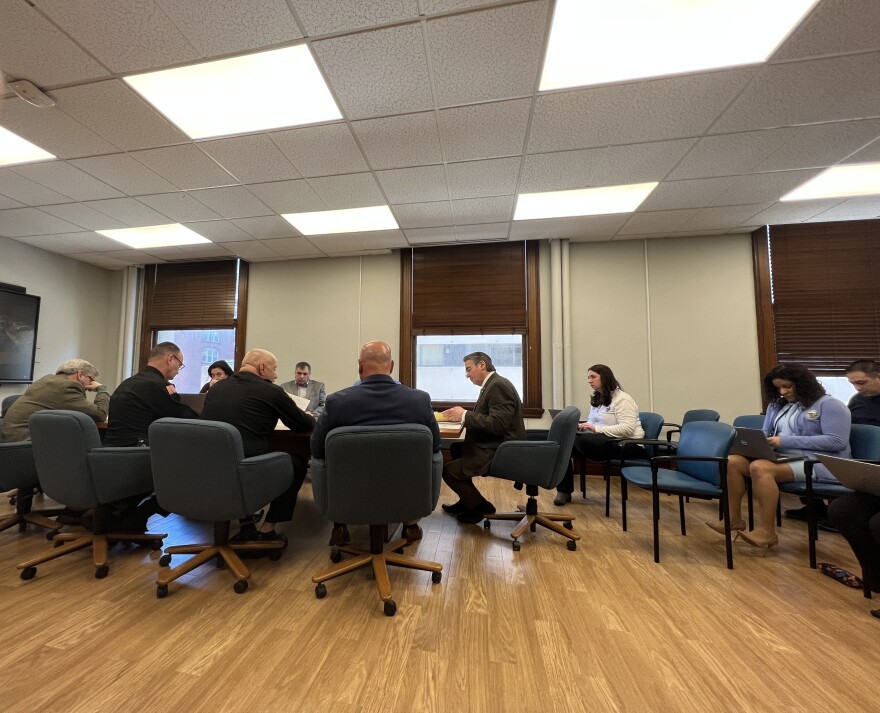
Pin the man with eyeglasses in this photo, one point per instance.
(145, 397)
(65, 389)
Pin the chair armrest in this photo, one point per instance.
(513, 459)
(121, 472)
(264, 478)
(673, 428)
(676, 459)
(659, 442)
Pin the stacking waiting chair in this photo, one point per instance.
(76, 471)
(700, 471)
(652, 424)
(538, 464)
(376, 476)
(697, 414)
(200, 472)
(19, 472)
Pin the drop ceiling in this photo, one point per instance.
(442, 121)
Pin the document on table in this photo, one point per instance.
(301, 403)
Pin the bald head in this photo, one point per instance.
(375, 358)
(260, 362)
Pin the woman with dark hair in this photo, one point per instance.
(613, 415)
(218, 371)
(802, 418)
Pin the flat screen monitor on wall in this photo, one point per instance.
(19, 314)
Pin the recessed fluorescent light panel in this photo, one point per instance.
(838, 182)
(266, 90)
(597, 41)
(349, 220)
(155, 236)
(582, 201)
(14, 149)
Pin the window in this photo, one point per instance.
(210, 355)
(456, 300)
(211, 336)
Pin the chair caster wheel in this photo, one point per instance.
(28, 573)
(572, 545)
(320, 591)
(516, 546)
(156, 545)
(335, 556)
(165, 561)
(161, 591)
(487, 523)
(436, 577)
(275, 555)
(390, 608)
(102, 571)
(240, 586)
(567, 525)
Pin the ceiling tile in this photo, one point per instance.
(484, 130)
(9, 203)
(486, 231)
(251, 250)
(134, 257)
(84, 217)
(431, 7)
(869, 154)
(356, 242)
(293, 247)
(19, 188)
(63, 177)
(358, 190)
(324, 17)
(793, 211)
(834, 27)
(219, 231)
(820, 144)
(251, 159)
(133, 124)
(267, 228)
(559, 171)
(762, 187)
(288, 196)
(414, 185)
(431, 236)
(103, 260)
(693, 193)
(376, 73)
(400, 141)
(122, 171)
(722, 218)
(232, 202)
(423, 215)
(185, 166)
(180, 207)
(639, 163)
(221, 26)
(858, 208)
(126, 35)
(129, 211)
(486, 55)
(32, 221)
(482, 210)
(476, 179)
(321, 150)
(590, 227)
(68, 243)
(32, 48)
(730, 154)
(656, 221)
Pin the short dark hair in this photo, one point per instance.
(164, 349)
(869, 366)
(477, 357)
(303, 365)
(609, 385)
(221, 364)
(806, 386)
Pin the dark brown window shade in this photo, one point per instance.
(191, 295)
(826, 293)
(478, 289)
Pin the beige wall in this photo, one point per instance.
(322, 311)
(79, 308)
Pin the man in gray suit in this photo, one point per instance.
(303, 386)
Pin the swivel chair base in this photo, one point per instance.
(531, 518)
(225, 552)
(23, 514)
(379, 557)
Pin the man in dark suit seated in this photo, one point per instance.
(376, 401)
(250, 401)
(496, 417)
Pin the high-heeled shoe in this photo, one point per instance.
(719, 526)
(754, 541)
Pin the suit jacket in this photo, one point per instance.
(376, 401)
(51, 392)
(496, 417)
(314, 393)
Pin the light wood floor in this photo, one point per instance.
(544, 629)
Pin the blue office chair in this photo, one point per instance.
(701, 472)
(697, 414)
(537, 464)
(755, 420)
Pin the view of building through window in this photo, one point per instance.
(201, 348)
(440, 365)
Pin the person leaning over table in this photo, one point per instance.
(496, 417)
(250, 401)
(218, 371)
(801, 418)
(65, 389)
(613, 415)
(377, 400)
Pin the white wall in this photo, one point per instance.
(79, 308)
(323, 311)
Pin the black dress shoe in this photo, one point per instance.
(475, 515)
(454, 508)
(247, 533)
(411, 533)
(273, 536)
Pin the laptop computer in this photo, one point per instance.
(194, 401)
(855, 475)
(752, 443)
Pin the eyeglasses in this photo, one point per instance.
(179, 361)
